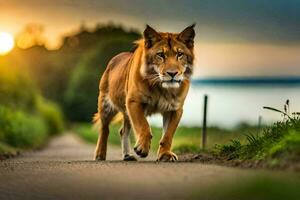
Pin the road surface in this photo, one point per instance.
(65, 170)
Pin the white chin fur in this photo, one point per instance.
(170, 85)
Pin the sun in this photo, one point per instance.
(7, 43)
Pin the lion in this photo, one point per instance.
(155, 78)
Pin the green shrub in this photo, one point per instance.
(26, 119)
(231, 150)
(51, 114)
(288, 147)
(16, 90)
(19, 129)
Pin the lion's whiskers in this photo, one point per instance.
(153, 79)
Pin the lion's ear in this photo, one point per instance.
(151, 36)
(187, 36)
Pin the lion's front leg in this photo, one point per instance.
(141, 128)
(170, 123)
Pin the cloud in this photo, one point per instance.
(261, 21)
(269, 21)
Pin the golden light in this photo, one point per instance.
(6, 43)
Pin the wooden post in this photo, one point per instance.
(259, 121)
(204, 126)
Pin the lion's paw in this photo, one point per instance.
(167, 156)
(99, 157)
(142, 148)
(129, 158)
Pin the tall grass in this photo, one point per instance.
(278, 142)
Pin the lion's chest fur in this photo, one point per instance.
(160, 102)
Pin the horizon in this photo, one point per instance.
(250, 80)
(249, 77)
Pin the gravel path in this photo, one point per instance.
(65, 170)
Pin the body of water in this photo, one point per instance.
(232, 103)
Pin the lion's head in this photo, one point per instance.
(168, 57)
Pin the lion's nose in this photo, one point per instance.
(172, 74)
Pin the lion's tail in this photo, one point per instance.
(97, 120)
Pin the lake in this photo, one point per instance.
(234, 102)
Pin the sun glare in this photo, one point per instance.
(6, 43)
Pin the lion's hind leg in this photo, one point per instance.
(102, 119)
(125, 140)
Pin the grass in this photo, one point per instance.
(89, 134)
(6, 150)
(186, 139)
(278, 144)
(260, 187)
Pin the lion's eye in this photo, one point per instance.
(160, 54)
(179, 54)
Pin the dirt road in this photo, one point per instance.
(65, 170)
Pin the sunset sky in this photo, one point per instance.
(234, 38)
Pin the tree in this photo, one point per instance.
(31, 35)
(81, 95)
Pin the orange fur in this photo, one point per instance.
(155, 78)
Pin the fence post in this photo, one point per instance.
(259, 121)
(204, 126)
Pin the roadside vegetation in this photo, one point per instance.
(38, 85)
(274, 145)
(259, 187)
(26, 118)
(277, 145)
(186, 139)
